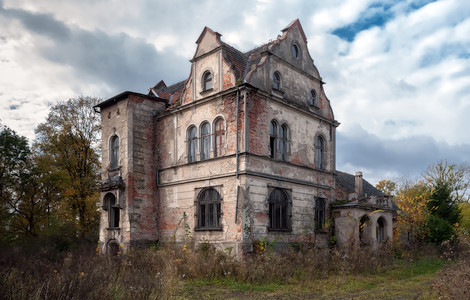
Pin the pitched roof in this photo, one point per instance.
(347, 183)
(240, 62)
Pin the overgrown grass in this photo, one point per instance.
(204, 272)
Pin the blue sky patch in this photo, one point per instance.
(376, 14)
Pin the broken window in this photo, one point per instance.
(319, 152)
(219, 133)
(363, 230)
(278, 210)
(276, 81)
(113, 210)
(205, 141)
(380, 230)
(207, 81)
(192, 143)
(114, 152)
(209, 209)
(320, 214)
(273, 138)
(283, 142)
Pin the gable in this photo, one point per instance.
(207, 41)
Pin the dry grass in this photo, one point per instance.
(169, 272)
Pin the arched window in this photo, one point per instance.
(319, 152)
(192, 143)
(363, 230)
(320, 213)
(313, 98)
(295, 50)
(380, 230)
(113, 210)
(273, 138)
(209, 209)
(207, 81)
(283, 142)
(278, 210)
(205, 141)
(276, 81)
(219, 133)
(114, 152)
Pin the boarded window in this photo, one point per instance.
(114, 152)
(319, 152)
(219, 133)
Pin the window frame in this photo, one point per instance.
(320, 214)
(207, 81)
(313, 100)
(205, 144)
(209, 203)
(277, 81)
(295, 50)
(219, 136)
(113, 209)
(279, 213)
(192, 143)
(284, 142)
(273, 138)
(380, 234)
(114, 152)
(319, 146)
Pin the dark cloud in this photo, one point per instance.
(120, 61)
(409, 156)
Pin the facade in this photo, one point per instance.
(243, 150)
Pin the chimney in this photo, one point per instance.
(359, 190)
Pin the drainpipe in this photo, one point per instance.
(238, 106)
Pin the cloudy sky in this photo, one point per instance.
(397, 72)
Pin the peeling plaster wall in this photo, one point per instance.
(347, 222)
(131, 120)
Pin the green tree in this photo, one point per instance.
(69, 139)
(444, 213)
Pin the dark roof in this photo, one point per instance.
(347, 183)
(125, 95)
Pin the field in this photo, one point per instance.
(201, 273)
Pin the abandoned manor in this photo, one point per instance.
(241, 151)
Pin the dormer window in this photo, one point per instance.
(313, 98)
(276, 81)
(295, 50)
(207, 81)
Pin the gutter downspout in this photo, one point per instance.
(238, 107)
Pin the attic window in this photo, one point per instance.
(207, 81)
(276, 81)
(295, 50)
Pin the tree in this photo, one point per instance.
(69, 139)
(14, 152)
(413, 215)
(457, 177)
(388, 187)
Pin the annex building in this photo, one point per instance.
(243, 150)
